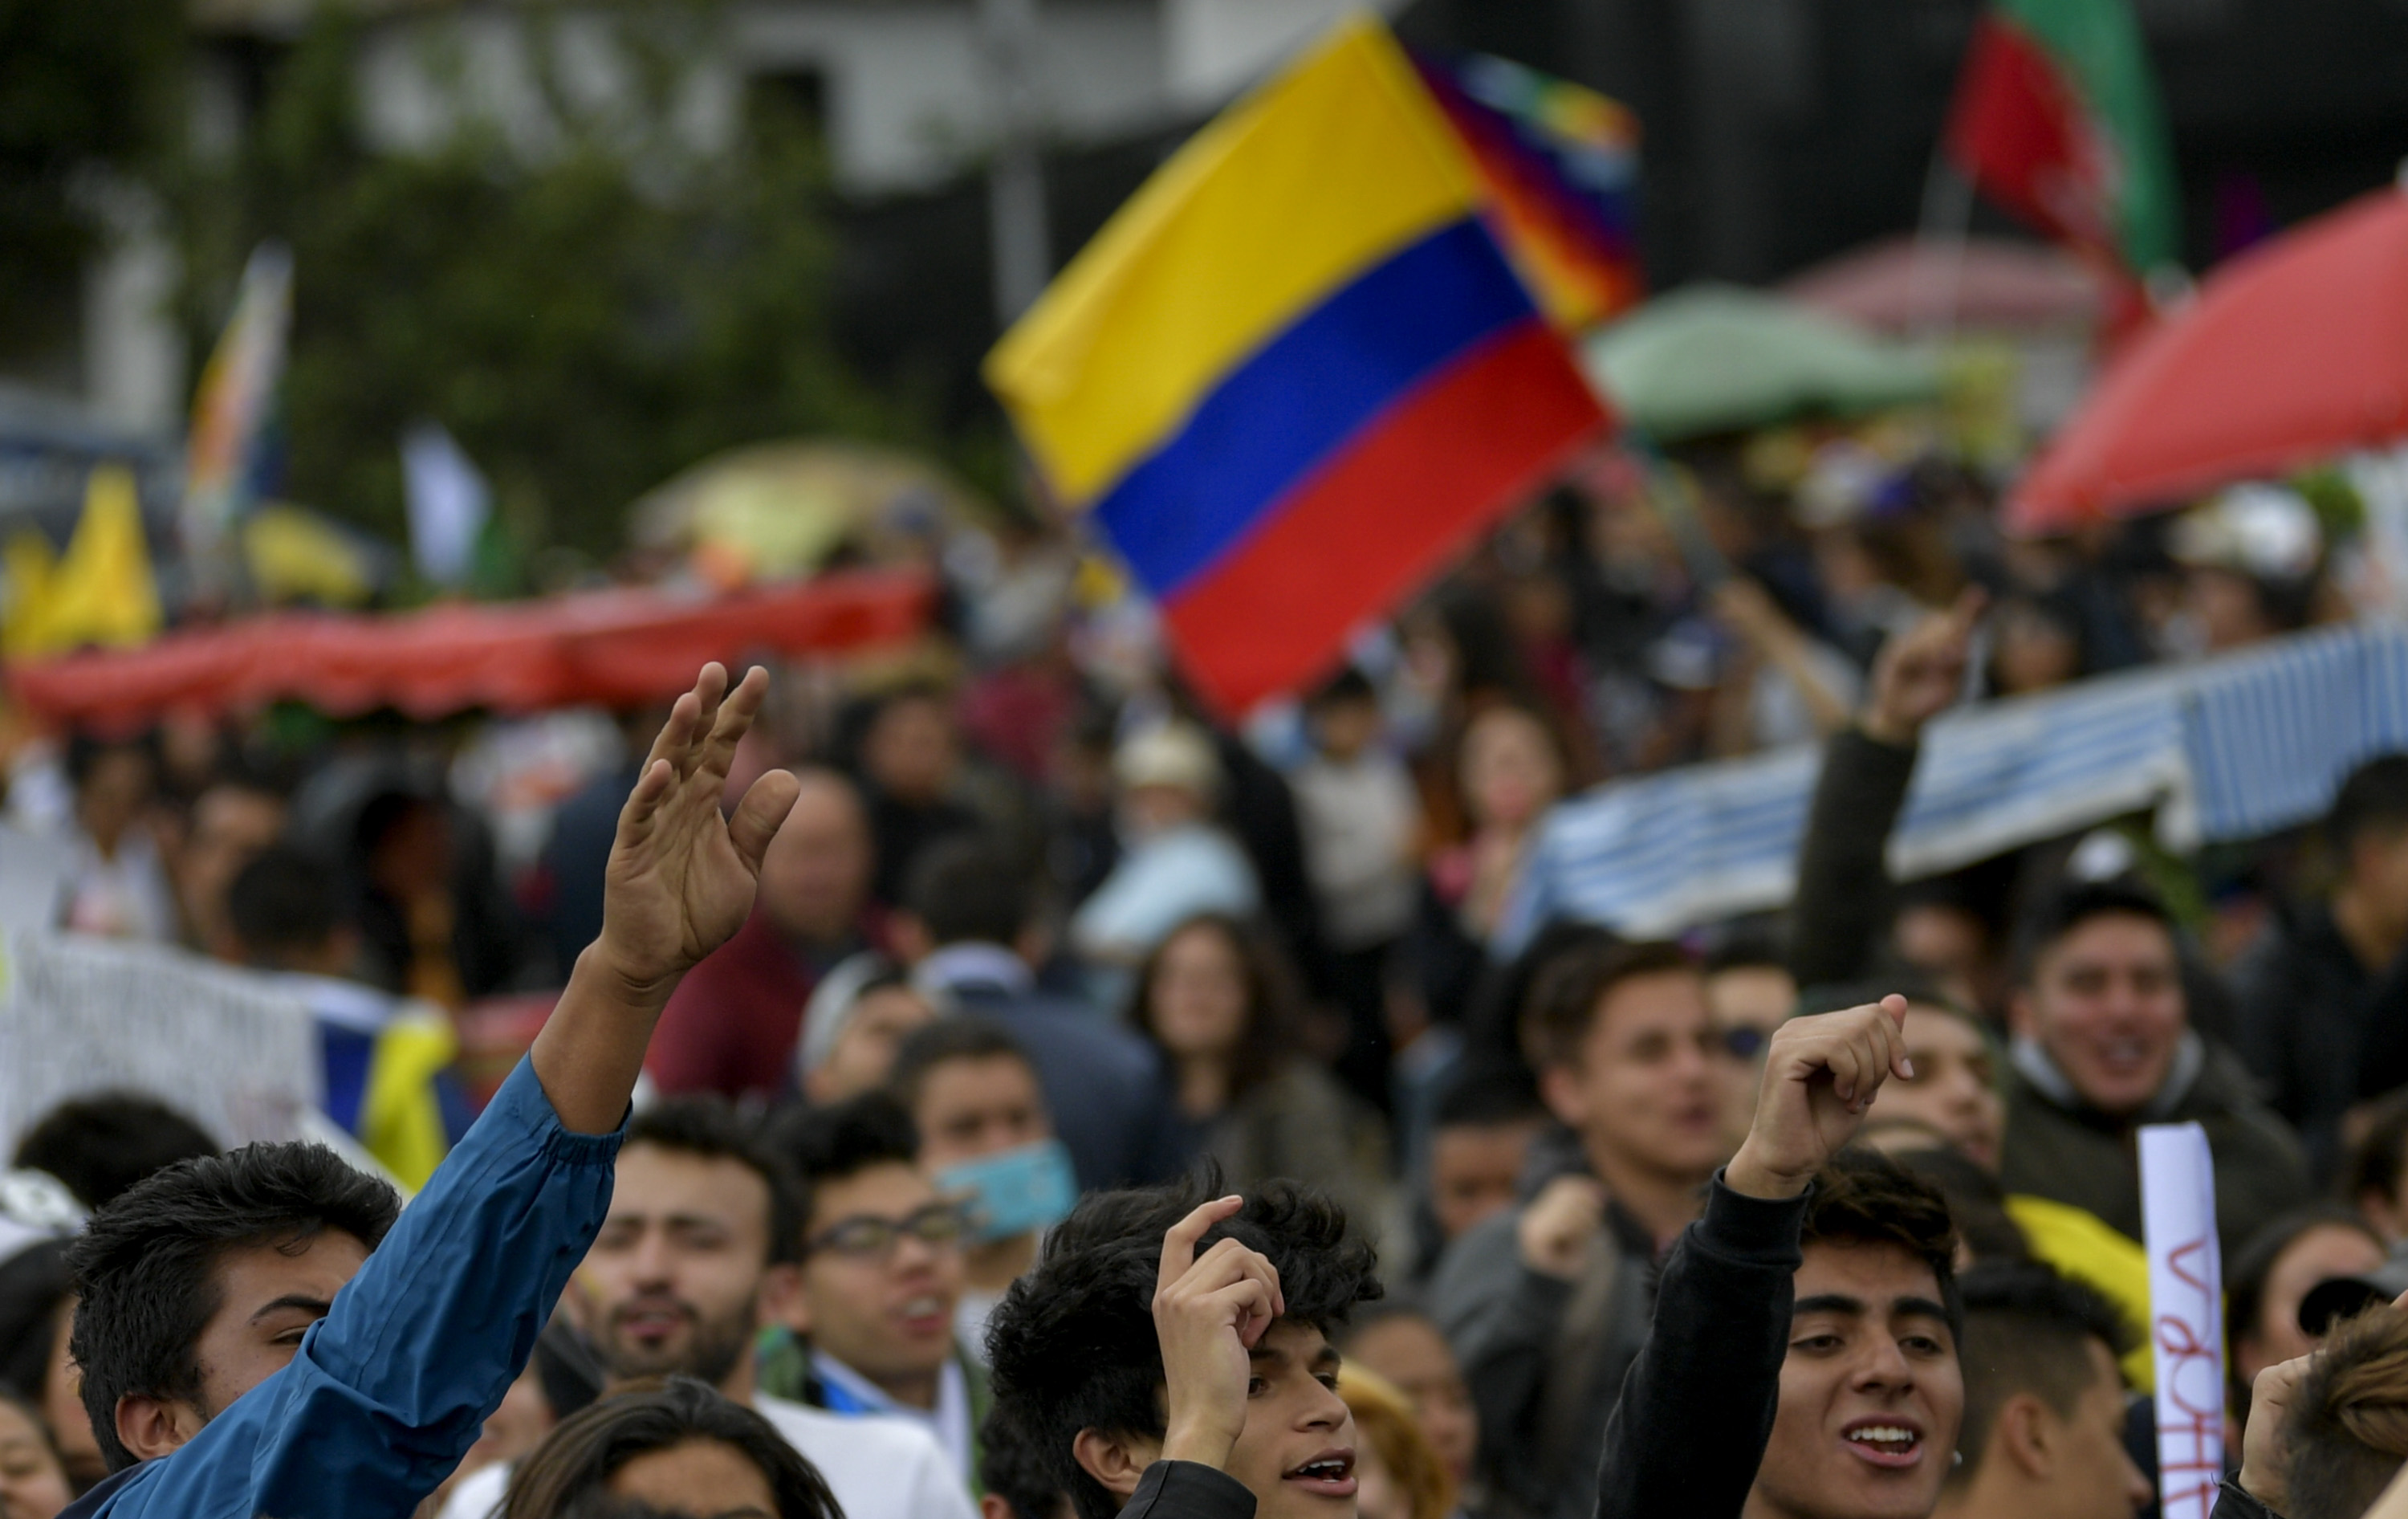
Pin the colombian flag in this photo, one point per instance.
(1295, 374)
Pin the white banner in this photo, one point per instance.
(2185, 1328)
(77, 1015)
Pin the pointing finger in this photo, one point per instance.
(1179, 1242)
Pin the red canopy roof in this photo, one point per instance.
(2294, 353)
(617, 647)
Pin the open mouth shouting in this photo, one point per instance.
(1884, 1441)
(1329, 1474)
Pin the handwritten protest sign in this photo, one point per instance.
(2185, 1328)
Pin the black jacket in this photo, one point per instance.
(2316, 1029)
(1696, 1407)
(1188, 1490)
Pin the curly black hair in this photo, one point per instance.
(1072, 1344)
(145, 1268)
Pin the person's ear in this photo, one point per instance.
(995, 1506)
(2027, 1435)
(151, 1428)
(781, 1294)
(1559, 1088)
(909, 937)
(1116, 1461)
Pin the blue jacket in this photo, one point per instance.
(390, 1389)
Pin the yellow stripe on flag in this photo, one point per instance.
(1327, 169)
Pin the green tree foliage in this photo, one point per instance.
(87, 90)
(588, 311)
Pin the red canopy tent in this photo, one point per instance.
(616, 647)
(2295, 352)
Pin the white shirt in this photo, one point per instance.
(949, 1422)
(877, 1465)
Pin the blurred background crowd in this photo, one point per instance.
(593, 346)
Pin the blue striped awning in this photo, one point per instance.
(2228, 747)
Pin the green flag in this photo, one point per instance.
(2056, 118)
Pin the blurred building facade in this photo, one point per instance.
(1777, 132)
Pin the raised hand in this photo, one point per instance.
(678, 885)
(2265, 1459)
(1921, 672)
(1555, 1231)
(1209, 1314)
(681, 878)
(1820, 1075)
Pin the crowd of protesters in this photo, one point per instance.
(950, 1004)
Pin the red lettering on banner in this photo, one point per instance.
(2190, 1379)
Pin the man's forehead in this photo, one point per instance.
(889, 1188)
(2114, 937)
(1294, 1340)
(254, 1274)
(652, 1179)
(1874, 1273)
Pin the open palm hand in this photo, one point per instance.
(681, 878)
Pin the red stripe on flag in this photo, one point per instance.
(2018, 130)
(1370, 524)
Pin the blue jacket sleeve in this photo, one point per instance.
(391, 1388)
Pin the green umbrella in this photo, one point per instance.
(1718, 359)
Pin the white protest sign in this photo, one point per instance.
(2185, 1323)
(226, 1049)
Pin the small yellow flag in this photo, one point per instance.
(100, 592)
(30, 562)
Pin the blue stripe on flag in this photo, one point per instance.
(1302, 395)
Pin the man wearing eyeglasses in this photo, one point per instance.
(882, 1274)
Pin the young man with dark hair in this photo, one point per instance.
(985, 1139)
(1803, 1360)
(188, 1242)
(1169, 1356)
(2044, 1430)
(100, 1145)
(2321, 992)
(1547, 1304)
(2102, 1045)
(881, 1279)
(698, 1248)
(259, 1335)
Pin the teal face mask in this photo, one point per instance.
(1014, 1191)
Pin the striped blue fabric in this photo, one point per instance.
(2225, 749)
